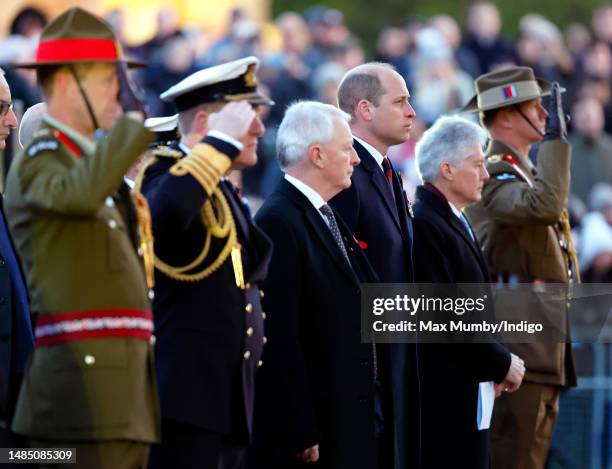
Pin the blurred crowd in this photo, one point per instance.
(437, 57)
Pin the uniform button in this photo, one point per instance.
(247, 355)
(259, 363)
(2, 300)
(140, 251)
(568, 304)
(112, 224)
(364, 362)
(362, 400)
(249, 331)
(109, 202)
(89, 359)
(151, 295)
(261, 293)
(569, 273)
(2, 262)
(247, 286)
(249, 308)
(264, 340)
(152, 340)
(263, 316)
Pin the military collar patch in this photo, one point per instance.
(505, 177)
(49, 144)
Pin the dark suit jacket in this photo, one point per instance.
(316, 385)
(16, 334)
(382, 224)
(449, 373)
(204, 377)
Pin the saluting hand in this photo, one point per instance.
(234, 119)
(556, 125)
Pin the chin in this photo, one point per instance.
(245, 160)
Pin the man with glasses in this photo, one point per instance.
(16, 337)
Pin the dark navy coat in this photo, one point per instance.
(316, 385)
(380, 220)
(209, 333)
(449, 373)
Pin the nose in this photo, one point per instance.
(257, 127)
(409, 111)
(485, 174)
(542, 111)
(10, 120)
(354, 158)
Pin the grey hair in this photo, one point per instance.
(450, 140)
(30, 123)
(305, 123)
(1, 72)
(361, 82)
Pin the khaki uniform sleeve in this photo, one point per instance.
(515, 201)
(50, 185)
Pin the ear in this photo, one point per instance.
(446, 171)
(316, 156)
(201, 122)
(364, 110)
(505, 117)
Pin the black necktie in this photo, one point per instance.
(335, 231)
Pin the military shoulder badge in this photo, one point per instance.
(42, 145)
(165, 151)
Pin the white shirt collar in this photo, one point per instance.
(455, 210)
(185, 148)
(373, 151)
(315, 198)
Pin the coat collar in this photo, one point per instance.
(378, 180)
(436, 200)
(319, 226)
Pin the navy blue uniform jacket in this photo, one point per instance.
(204, 377)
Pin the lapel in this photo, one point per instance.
(319, 227)
(237, 208)
(379, 180)
(257, 242)
(443, 209)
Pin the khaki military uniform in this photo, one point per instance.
(518, 225)
(91, 377)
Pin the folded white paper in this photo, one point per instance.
(486, 400)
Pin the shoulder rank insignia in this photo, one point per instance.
(494, 159)
(166, 152)
(505, 177)
(49, 144)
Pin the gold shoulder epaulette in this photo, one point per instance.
(165, 151)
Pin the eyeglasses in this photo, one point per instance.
(5, 108)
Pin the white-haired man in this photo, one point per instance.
(315, 399)
(451, 164)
